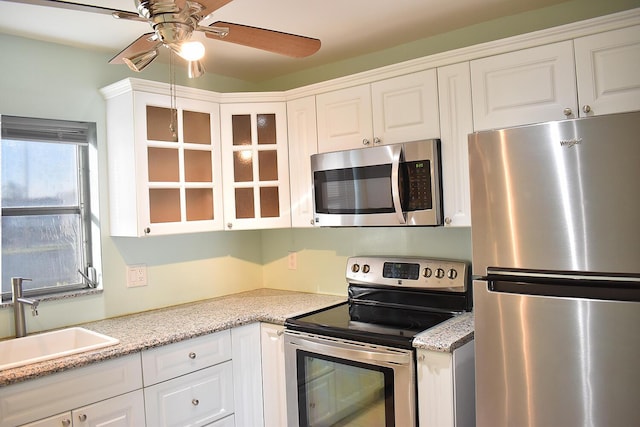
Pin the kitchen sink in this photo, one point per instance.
(50, 345)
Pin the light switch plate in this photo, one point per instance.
(292, 260)
(136, 275)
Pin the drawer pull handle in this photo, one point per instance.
(195, 402)
(192, 355)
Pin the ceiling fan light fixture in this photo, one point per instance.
(191, 51)
(140, 61)
(196, 69)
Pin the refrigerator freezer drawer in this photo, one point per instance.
(555, 361)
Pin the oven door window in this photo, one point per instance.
(338, 392)
(358, 190)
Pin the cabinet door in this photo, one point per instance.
(303, 142)
(273, 375)
(247, 375)
(456, 122)
(60, 420)
(255, 166)
(528, 86)
(126, 410)
(608, 71)
(405, 108)
(344, 119)
(179, 165)
(196, 399)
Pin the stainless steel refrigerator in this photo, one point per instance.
(556, 263)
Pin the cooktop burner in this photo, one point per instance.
(391, 300)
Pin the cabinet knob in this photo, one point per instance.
(567, 112)
(147, 230)
(195, 402)
(229, 225)
(365, 142)
(192, 355)
(376, 141)
(586, 109)
(66, 422)
(82, 417)
(447, 220)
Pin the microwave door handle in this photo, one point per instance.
(395, 183)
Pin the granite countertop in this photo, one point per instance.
(159, 327)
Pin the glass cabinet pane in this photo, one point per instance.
(269, 202)
(199, 204)
(197, 166)
(243, 166)
(164, 205)
(244, 203)
(159, 124)
(163, 165)
(241, 125)
(197, 127)
(268, 165)
(266, 128)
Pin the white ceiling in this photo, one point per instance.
(347, 28)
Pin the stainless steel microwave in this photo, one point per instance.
(387, 185)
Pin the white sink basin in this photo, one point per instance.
(50, 345)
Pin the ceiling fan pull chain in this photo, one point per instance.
(173, 125)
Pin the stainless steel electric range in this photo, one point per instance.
(354, 363)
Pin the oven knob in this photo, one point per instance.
(355, 268)
(439, 273)
(366, 268)
(452, 274)
(427, 272)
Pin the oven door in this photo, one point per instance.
(334, 382)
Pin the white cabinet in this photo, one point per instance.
(255, 165)
(273, 375)
(67, 391)
(195, 399)
(456, 122)
(526, 86)
(164, 162)
(608, 71)
(126, 410)
(303, 142)
(446, 387)
(399, 109)
(247, 371)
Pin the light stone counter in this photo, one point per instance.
(448, 335)
(155, 328)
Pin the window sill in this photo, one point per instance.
(60, 296)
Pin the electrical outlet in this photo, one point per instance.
(136, 275)
(293, 260)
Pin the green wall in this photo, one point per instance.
(51, 81)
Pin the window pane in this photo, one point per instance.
(46, 249)
(39, 174)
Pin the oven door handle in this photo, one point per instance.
(340, 350)
(396, 157)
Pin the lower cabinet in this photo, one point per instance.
(446, 387)
(273, 375)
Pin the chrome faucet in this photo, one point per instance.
(18, 306)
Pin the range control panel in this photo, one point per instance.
(426, 273)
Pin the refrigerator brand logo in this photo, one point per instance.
(570, 142)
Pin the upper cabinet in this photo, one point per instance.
(526, 86)
(608, 71)
(255, 165)
(539, 84)
(390, 111)
(164, 163)
(303, 142)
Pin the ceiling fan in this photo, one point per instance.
(173, 23)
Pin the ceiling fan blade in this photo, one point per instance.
(143, 43)
(210, 6)
(269, 40)
(72, 6)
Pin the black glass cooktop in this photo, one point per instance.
(368, 322)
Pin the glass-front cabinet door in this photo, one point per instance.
(255, 166)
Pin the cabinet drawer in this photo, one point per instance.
(53, 394)
(196, 399)
(163, 363)
(225, 422)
